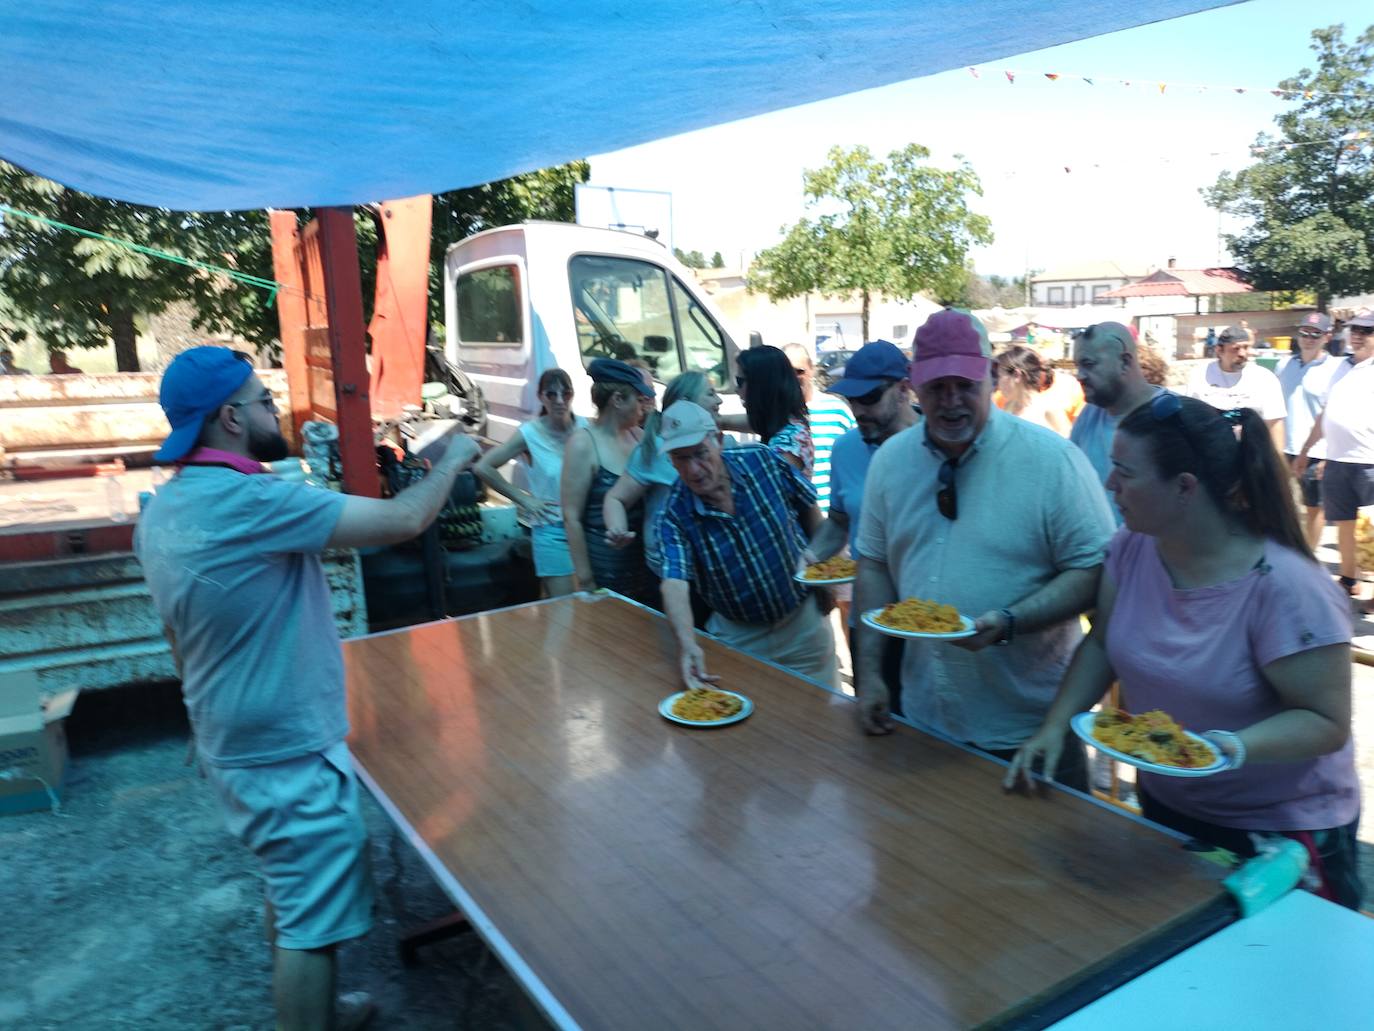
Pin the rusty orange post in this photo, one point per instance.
(400, 315)
(292, 317)
(343, 299)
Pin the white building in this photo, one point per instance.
(1072, 286)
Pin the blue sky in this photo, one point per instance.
(1137, 157)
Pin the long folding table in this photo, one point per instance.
(783, 872)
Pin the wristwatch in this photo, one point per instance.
(1009, 630)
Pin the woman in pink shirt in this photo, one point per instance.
(1212, 608)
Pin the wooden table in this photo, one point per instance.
(784, 872)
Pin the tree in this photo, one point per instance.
(692, 259)
(717, 260)
(897, 227)
(82, 292)
(1308, 200)
(991, 291)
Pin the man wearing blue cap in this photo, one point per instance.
(879, 394)
(231, 557)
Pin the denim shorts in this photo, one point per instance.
(551, 555)
(303, 820)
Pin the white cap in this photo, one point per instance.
(684, 424)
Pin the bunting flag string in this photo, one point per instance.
(1200, 87)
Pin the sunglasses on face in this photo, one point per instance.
(947, 497)
(1362, 330)
(558, 395)
(1310, 334)
(872, 397)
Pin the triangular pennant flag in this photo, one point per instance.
(1010, 77)
(1067, 168)
(1125, 82)
(973, 71)
(1277, 92)
(1307, 94)
(1240, 89)
(1161, 87)
(1052, 76)
(1088, 81)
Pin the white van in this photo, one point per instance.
(522, 299)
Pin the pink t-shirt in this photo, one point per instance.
(1197, 654)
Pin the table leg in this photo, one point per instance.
(444, 928)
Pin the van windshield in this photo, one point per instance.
(627, 309)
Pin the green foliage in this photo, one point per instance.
(717, 260)
(989, 292)
(692, 259)
(1309, 198)
(897, 227)
(76, 292)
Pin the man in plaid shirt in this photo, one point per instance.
(737, 525)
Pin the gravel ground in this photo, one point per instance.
(133, 908)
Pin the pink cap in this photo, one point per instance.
(951, 343)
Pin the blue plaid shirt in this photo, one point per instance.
(742, 564)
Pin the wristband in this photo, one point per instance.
(1009, 631)
(1236, 759)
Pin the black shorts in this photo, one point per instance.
(1309, 483)
(1346, 488)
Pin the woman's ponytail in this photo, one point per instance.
(1264, 493)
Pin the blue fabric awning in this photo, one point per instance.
(204, 106)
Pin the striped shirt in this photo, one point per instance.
(831, 419)
(742, 564)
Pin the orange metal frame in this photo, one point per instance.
(320, 307)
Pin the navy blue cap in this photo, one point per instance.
(873, 365)
(197, 382)
(610, 370)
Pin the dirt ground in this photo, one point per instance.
(133, 908)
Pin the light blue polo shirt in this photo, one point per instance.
(233, 565)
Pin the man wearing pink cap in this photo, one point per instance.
(999, 517)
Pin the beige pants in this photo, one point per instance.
(801, 641)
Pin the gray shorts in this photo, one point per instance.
(303, 821)
(1346, 488)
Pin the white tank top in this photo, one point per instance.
(546, 459)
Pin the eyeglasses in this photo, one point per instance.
(1311, 334)
(559, 395)
(947, 497)
(266, 399)
(1362, 330)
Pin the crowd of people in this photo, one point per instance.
(1168, 519)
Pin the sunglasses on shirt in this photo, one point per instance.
(947, 497)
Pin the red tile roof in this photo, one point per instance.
(1200, 282)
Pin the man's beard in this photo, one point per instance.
(267, 447)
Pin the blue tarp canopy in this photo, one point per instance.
(206, 106)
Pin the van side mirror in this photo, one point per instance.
(755, 338)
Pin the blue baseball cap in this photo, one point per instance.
(873, 365)
(612, 370)
(197, 382)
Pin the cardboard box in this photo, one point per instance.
(33, 743)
